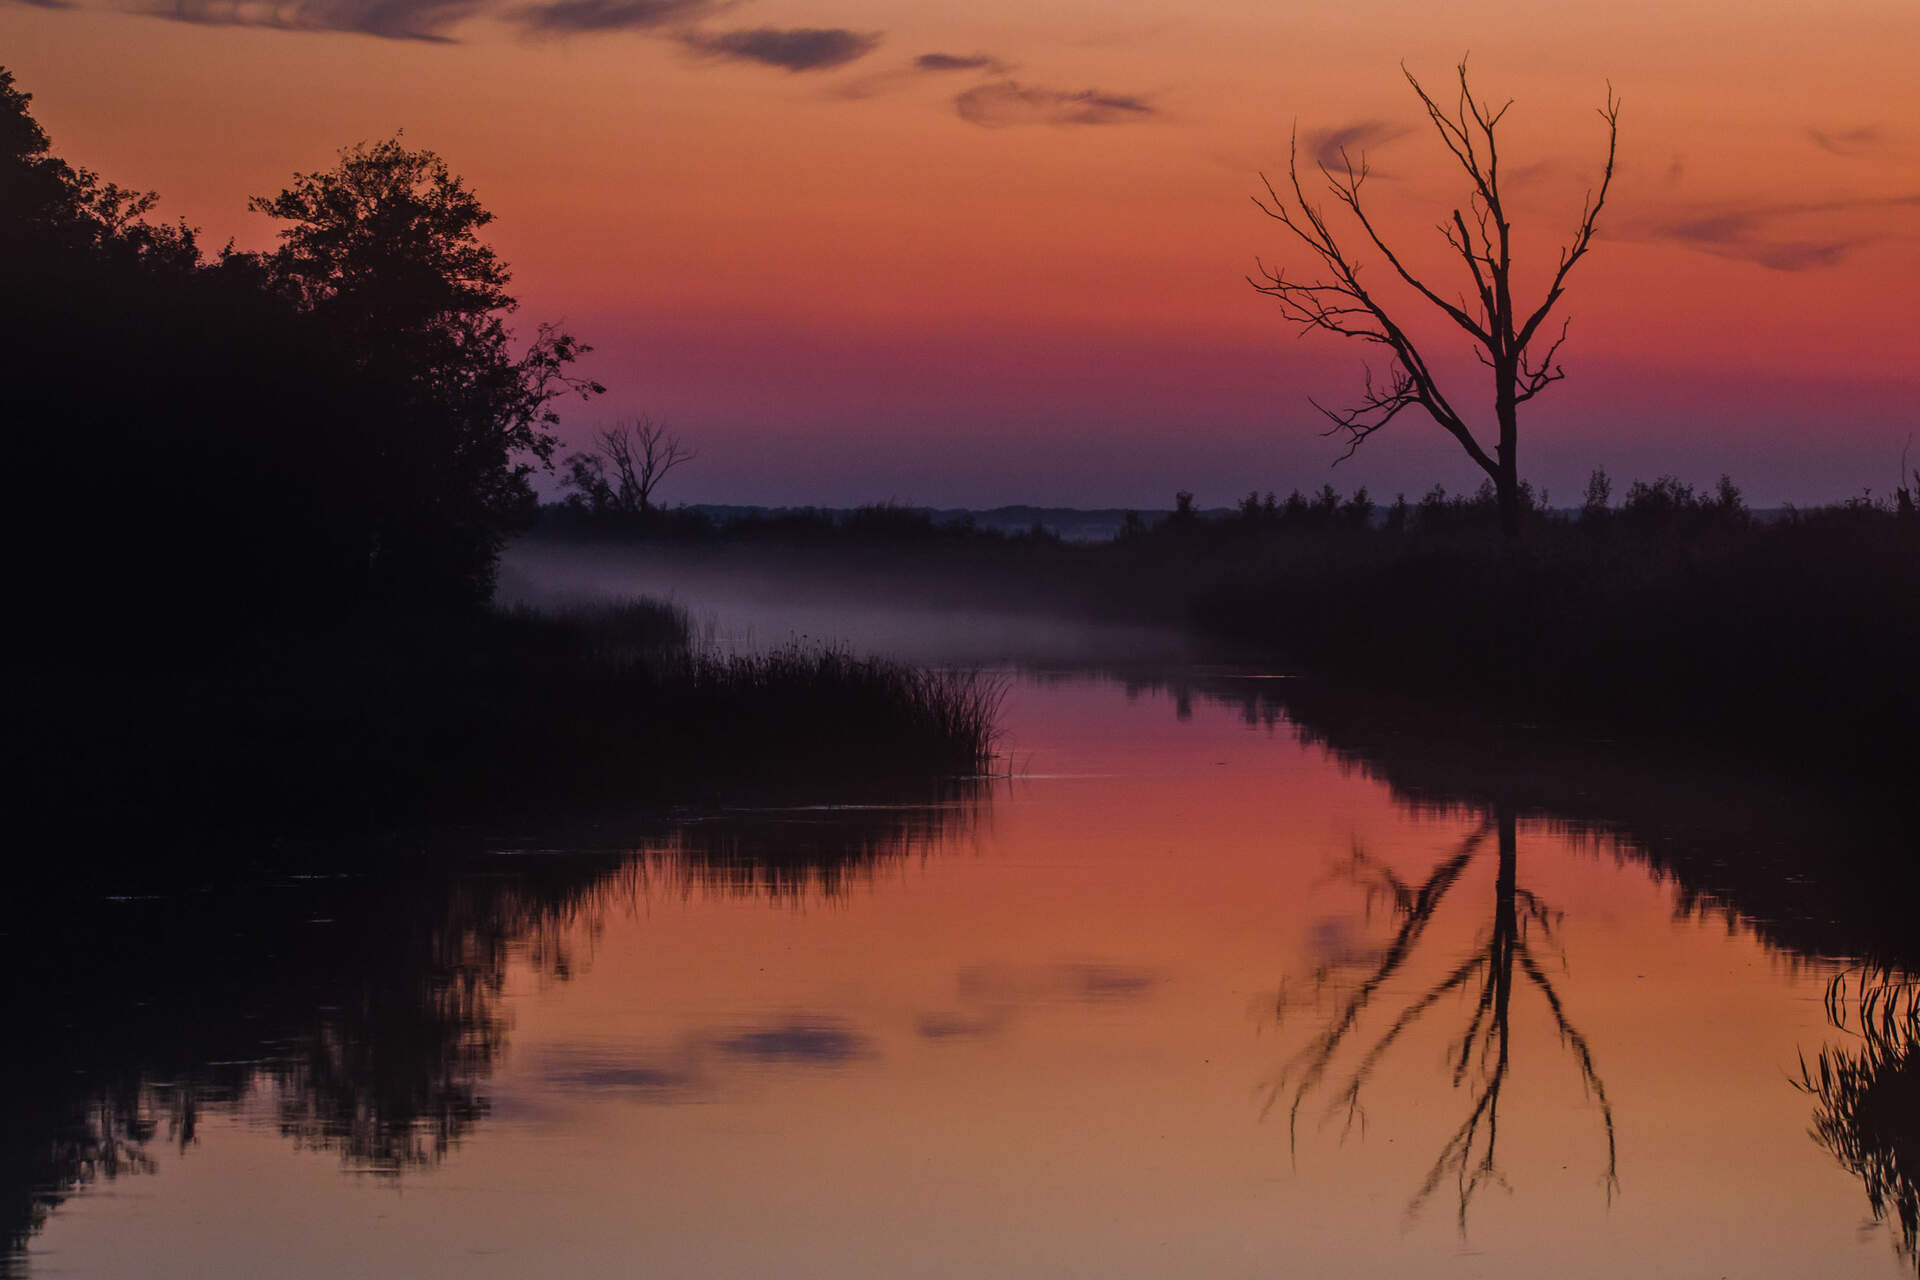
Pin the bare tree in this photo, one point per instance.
(626, 464)
(1503, 331)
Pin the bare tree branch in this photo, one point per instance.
(1335, 301)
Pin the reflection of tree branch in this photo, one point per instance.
(1483, 1052)
(1312, 1062)
(1583, 1054)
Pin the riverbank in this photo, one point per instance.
(391, 720)
(1673, 620)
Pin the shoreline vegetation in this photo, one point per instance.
(391, 721)
(264, 571)
(1675, 617)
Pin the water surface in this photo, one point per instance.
(1189, 993)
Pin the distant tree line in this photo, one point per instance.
(266, 438)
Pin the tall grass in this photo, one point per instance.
(513, 714)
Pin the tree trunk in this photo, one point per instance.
(1506, 484)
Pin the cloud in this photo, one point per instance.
(44, 4)
(1763, 233)
(1846, 142)
(428, 20)
(792, 49)
(1007, 102)
(1326, 145)
(957, 62)
(577, 17)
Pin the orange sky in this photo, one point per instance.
(1021, 280)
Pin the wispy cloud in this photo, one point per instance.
(958, 62)
(1767, 233)
(1846, 142)
(1008, 102)
(430, 20)
(1331, 148)
(789, 48)
(581, 17)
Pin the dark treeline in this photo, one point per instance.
(1670, 615)
(1673, 616)
(260, 585)
(252, 440)
(881, 524)
(367, 1006)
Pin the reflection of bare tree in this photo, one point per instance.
(1501, 962)
(1869, 1095)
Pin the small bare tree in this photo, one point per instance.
(626, 464)
(1503, 331)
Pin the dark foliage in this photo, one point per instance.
(1676, 615)
(252, 442)
(399, 719)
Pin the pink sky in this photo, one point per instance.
(1015, 274)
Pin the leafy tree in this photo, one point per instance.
(384, 253)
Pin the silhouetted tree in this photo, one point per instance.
(384, 250)
(626, 464)
(1503, 331)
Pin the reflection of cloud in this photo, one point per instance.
(957, 62)
(700, 1063)
(1326, 145)
(964, 1026)
(1846, 142)
(1336, 943)
(1007, 102)
(605, 1071)
(391, 19)
(1762, 233)
(815, 1043)
(792, 49)
(991, 994)
(1073, 981)
(575, 17)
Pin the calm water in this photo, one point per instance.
(1185, 995)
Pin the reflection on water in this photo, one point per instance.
(1868, 1094)
(366, 1011)
(1502, 955)
(1029, 1022)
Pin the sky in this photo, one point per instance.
(969, 255)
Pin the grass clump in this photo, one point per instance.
(508, 714)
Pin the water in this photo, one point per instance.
(1085, 1020)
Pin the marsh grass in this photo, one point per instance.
(512, 714)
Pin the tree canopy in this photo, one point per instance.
(248, 440)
